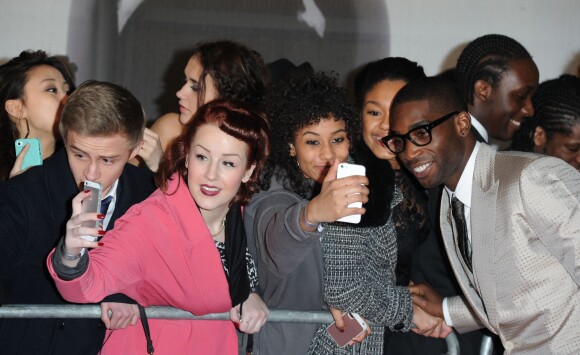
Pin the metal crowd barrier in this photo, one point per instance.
(94, 311)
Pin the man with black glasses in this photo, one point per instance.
(510, 223)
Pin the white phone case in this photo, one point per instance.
(344, 170)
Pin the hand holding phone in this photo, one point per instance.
(344, 170)
(353, 326)
(33, 156)
(91, 204)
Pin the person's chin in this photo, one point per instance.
(381, 152)
(184, 118)
(426, 175)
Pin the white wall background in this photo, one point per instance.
(434, 33)
(33, 24)
(429, 32)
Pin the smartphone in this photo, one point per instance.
(353, 326)
(91, 204)
(33, 155)
(344, 170)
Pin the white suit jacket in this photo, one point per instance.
(525, 230)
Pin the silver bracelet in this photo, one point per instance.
(68, 256)
(308, 223)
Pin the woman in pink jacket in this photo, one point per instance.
(185, 245)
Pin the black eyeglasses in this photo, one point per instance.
(419, 136)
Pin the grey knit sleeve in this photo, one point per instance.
(359, 274)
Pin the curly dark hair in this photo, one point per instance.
(556, 110)
(235, 118)
(13, 78)
(296, 102)
(486, 58)
(238, 72)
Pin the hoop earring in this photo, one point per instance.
(27, 127)
(293, 155)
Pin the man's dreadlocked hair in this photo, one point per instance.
(486, 58)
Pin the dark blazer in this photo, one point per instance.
(34, 209)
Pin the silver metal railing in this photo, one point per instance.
(94, 311)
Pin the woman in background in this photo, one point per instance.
(33, 88)
(555, 128)
(375, 87)
(185, 245)
(220, 69)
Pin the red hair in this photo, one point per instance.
(237, 119)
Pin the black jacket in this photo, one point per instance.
(34, 209)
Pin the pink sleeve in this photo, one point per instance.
(116, 267)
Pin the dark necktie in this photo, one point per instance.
(105, 204)
(458, 212)
(104, 207)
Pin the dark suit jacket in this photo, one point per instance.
(34, 209)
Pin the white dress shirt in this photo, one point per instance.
(112, 192)
(463, 194)
(479, 128)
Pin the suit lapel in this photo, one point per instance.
(121, 201)
(461, 271)
(60, 184)
(483, 218)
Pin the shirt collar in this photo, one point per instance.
(112, 191)
(479, 128)
(463, 189)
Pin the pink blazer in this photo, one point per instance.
(160, 253)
